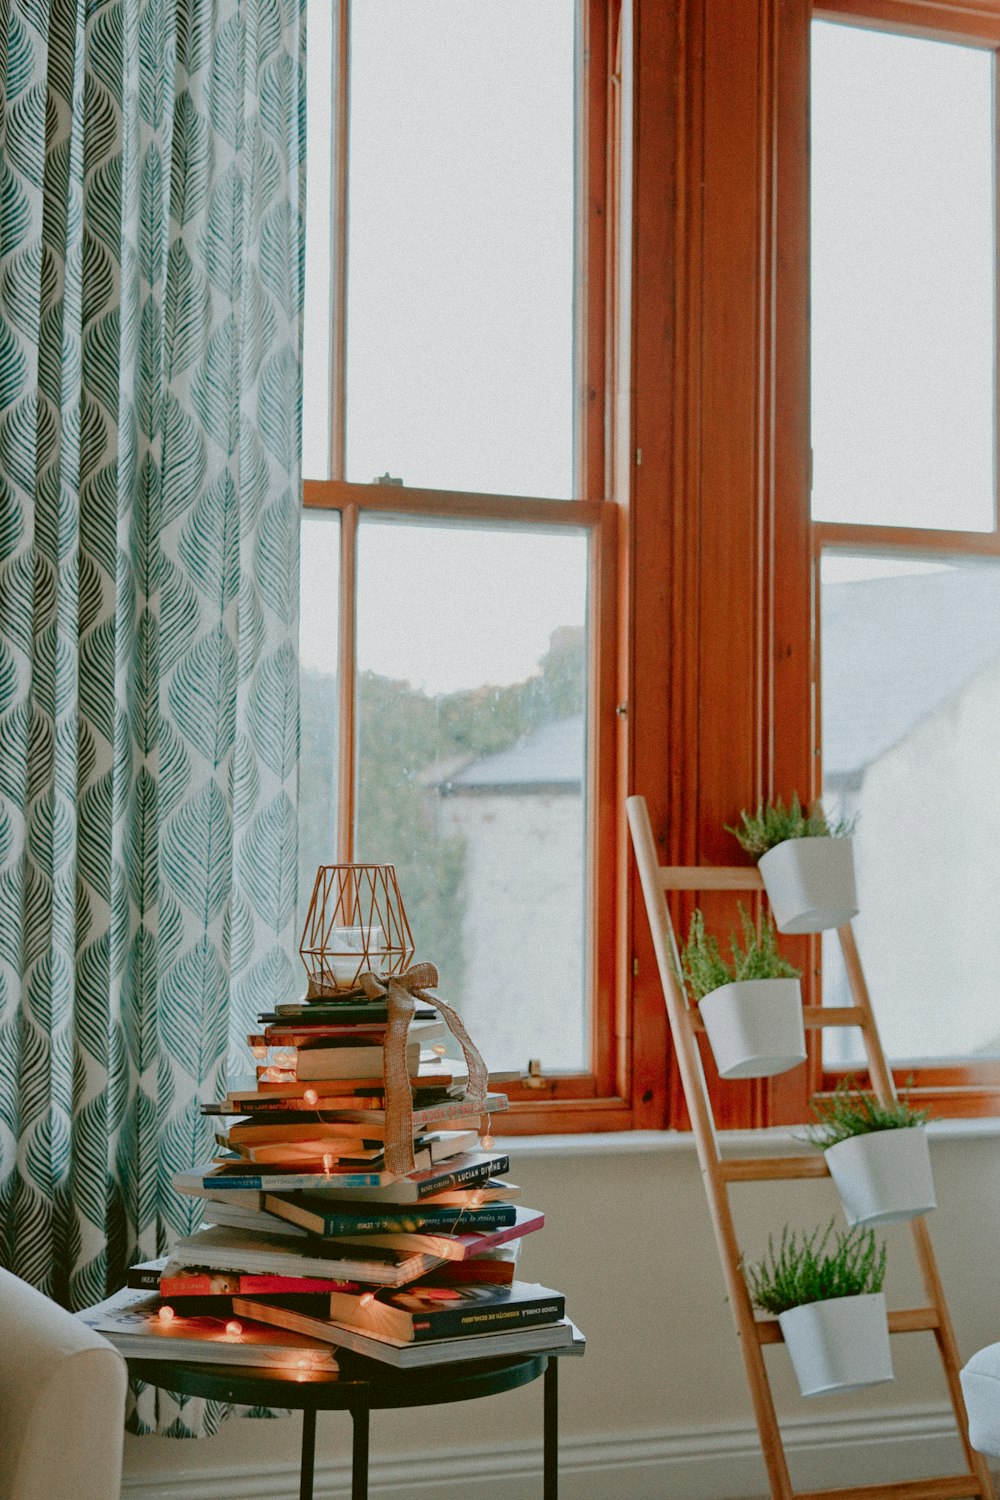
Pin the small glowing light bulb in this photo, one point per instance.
(167, 1315)
(488, 1143)
(310, 1097)
(366, 1299)
(439, 1048)
(233, 1328)
(475, 1199)
(260, 1052)
(328, 1164)
(303, 1363)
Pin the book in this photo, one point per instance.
(464, 1170)
(252, 1133)
(305, 1033)
(415, 1314)
(177, 1281)
(491, 1191)
(350, 1061)
(318, 1214)
(458, 1272)
(437, 1078)
(313, 1154)
(561, 1337)
(219, 1211)
(366, 1108)
(456, 1240)
(132, 1321)
(458, 1245)
(224, 1249)
(354, 1012)
(242, 1177)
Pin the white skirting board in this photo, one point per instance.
(704, 1463)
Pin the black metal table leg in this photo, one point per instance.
(308, 1453)
(550, 1460)
(360, 1408)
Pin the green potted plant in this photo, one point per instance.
(805, 862)
(877, 1155)
(752, 1007)
(829, 1302)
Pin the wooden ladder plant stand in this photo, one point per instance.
(753, 1332)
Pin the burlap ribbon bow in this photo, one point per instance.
(401, 993)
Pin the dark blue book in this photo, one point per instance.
(312, 1212)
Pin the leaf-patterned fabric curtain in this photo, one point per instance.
(151, 254)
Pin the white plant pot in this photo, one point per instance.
(810, 883)
(839, 1345)
(883, 1176)
(755, 1027)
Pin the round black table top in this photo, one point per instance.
(381, 1386)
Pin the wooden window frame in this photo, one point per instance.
(598, 1099)
(947, 1088)
(722, 551)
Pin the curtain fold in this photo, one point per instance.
(151, 260)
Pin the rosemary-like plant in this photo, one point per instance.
(853, 1111)
(773, 823)
(703, 969)
(802, 1269)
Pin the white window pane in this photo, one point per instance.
(471, 765)
(903, 280)
(911, 725)
(461, 244)
(318, 644)
(316, 342)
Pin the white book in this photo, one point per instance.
(131, 1321)
(223, 1249)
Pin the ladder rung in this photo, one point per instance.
(812, 1016)
(943, 1488)
(711, 878)
(773, 1168)
(833, 1015)
(901, 1320)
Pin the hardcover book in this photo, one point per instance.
(561, 1337)
(419, 1313)
(454, 1240)
(336, 1216)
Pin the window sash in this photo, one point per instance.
(599, 1097)
(947, 1088)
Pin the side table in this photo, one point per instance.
(362, 1386)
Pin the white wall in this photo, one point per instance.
(658, 1405)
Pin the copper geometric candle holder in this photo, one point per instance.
(356, 922)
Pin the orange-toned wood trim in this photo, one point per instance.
(650, 406)
(347, 661)
(974, 21)
(604, 813)
(338, 352)
(332, 494)
(830, 535)
(592, 256)
(564, 1117)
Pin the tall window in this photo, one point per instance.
(907, 545)
(458, 536)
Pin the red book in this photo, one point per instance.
(236, 1283)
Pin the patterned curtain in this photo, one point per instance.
(151, 255)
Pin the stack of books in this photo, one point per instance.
(309, 1238)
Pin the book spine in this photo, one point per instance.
(227, 1182)
(143, 1278)
(417, 1222)
(454, 1322)
(463, 1176)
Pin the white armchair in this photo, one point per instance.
(62, 1402)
